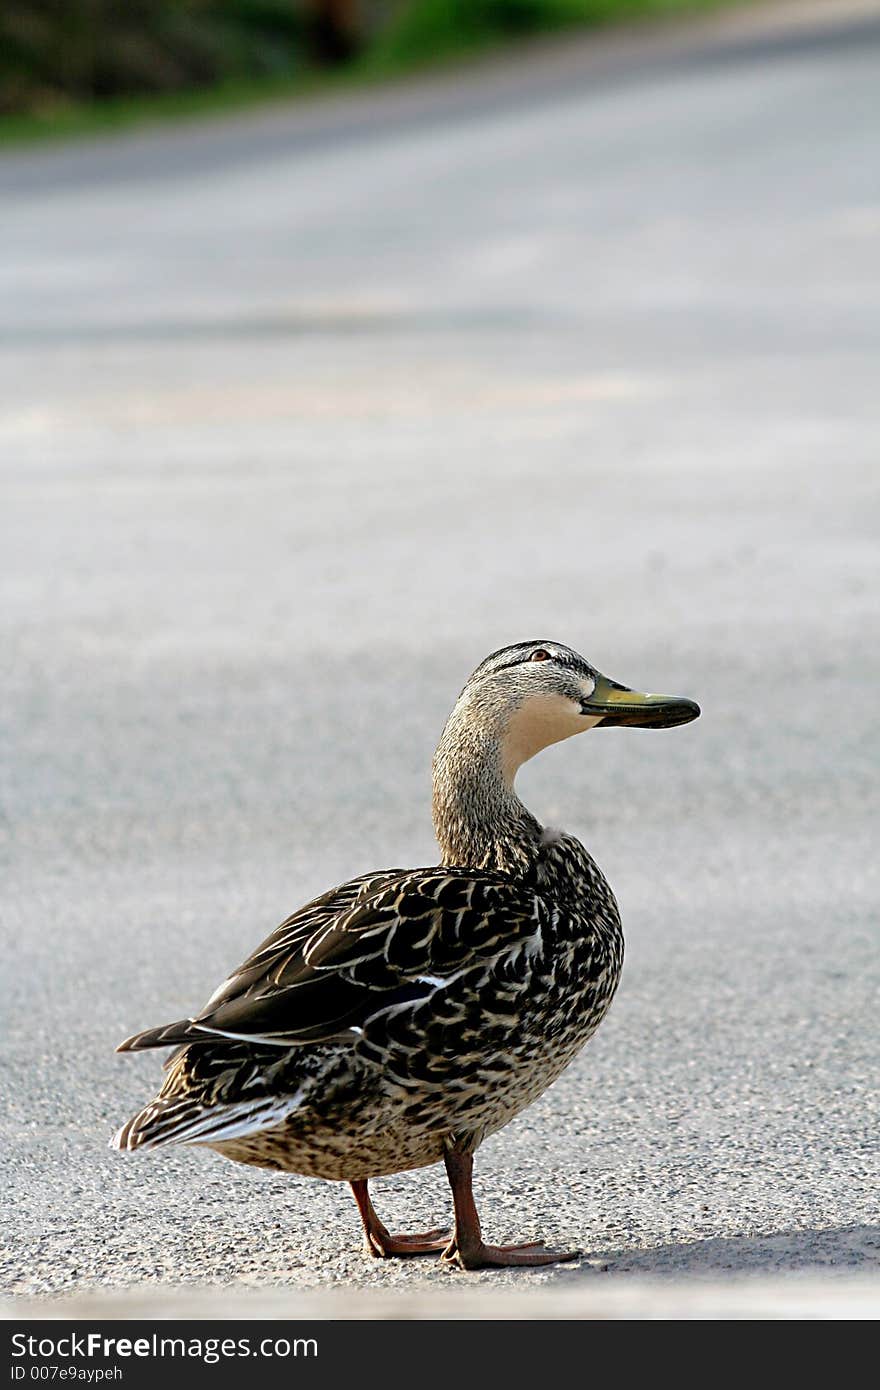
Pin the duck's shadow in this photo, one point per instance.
(847, 1249)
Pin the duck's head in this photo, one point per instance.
(537, 693)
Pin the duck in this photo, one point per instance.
(401, 1018)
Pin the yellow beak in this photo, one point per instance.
(615, 704)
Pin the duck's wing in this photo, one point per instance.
(375, 944)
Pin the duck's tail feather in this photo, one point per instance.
(190, 1121)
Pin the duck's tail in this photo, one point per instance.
(190, 1121)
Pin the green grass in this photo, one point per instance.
(433, 29)
(71, 119)
(428, 33)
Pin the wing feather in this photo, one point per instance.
(376, 944)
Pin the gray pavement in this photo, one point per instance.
(290, 439)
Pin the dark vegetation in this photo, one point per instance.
(73, 57)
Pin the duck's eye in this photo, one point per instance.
(540, 655)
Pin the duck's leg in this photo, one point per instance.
(379, 1242)
(467, 1248)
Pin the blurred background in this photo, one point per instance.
(58, 58)
(306, 404)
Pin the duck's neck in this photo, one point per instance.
(479, 820)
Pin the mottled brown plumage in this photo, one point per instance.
(400, 1018)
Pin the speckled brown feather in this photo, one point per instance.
(516, 987)
(407, 1010)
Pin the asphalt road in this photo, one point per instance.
(303, 414)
